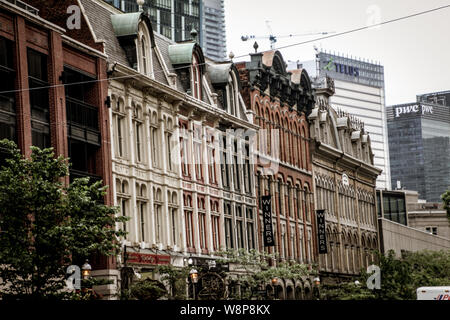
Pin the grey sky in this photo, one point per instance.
(414, 52)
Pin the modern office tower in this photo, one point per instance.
(441, 98)
(419, 147)
(174, 19)
(213, 39)
(359, 91)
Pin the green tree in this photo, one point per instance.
(176, 278)
(446, 199)
(400, 277)
(46, 226)
(256, 272)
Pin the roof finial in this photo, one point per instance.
(140, 4)
(194, 34)
(256, 46)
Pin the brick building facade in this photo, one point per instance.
(280, 101)
(344, 186)
(40, 104)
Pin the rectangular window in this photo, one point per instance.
(124, 213)
(169, 150)
(229, 233)
(216, 232)
(174, 222)
(158, 224)
(189, 229)
(39, 99)
(7, 100)
(138, 142)
(202, 230)
(142, 212)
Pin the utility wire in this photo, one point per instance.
(358, 29)
(245, 55)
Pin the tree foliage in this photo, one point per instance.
(176, 278)
(256, 272)
(400, 277)
(446, 199)
(45, 225)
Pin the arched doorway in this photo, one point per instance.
(279, 292)
(298, 293)
(290, 293)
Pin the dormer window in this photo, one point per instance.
(144, 50)
(144, 55)
(196, 78)
(233, 94)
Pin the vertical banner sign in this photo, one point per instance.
(321, 233)
(269, 241)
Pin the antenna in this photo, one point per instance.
(273, 38)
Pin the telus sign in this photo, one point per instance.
(412, 109)
(342, 68)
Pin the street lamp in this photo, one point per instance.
(86, 269)
(274, 283)
(212, 264)
(316, 282)
(194, 278)
(357, 283)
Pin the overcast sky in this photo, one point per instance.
(415, 53)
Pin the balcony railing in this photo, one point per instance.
(24, 6)
(74, 174)
(82, 121)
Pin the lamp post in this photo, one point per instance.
(274, 283)
(316, 282)
(86, 269)
(194, 278)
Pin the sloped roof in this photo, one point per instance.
(126, 24)
(100, 19)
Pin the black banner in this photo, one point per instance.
(321, 231)
(269, 240)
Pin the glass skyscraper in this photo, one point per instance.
(173, 19)
(419, 146)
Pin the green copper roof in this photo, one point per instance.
(126, 24)
(181, 53)
(219, 73)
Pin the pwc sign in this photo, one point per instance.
(424, 109)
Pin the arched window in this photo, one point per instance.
(144, 55)
(120, 127)
(158, 205)
(304, 149)
(155, 139)
(233, 94)
(196, 78)
(173, 218)
(138, 133)
(144, 51)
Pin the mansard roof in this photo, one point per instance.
(182, 53)
(219, 72)
(274, 60)
(126, 24)
(268, 70)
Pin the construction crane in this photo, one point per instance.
(273, 39)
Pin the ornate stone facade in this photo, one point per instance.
(280, 101)
(344, 185)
